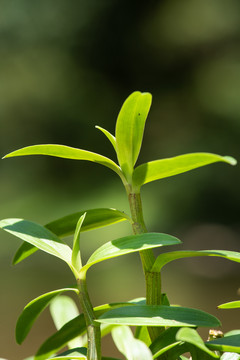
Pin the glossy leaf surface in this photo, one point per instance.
(166, 341)
(38, 236)
(110, 137)
(66, 152)
(230, 342)
(165, 258)
(191, 336)
(131, 348)
(158, 315)
(66, 225)
(230, 305)
(129, 129)
(129, 244)
(159, 169)
(32, 310)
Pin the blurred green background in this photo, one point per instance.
(66, 66)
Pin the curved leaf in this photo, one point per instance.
(38, 236)
(71, 330)
(191, 336)
(131, 348)
(77, 353)
(129, 244)
(32, 310)
(158, 315)
(230, 305)
(67, 152)
(76, 255)
(110, 137)
(165, 258)
(129, 130)
(166, 341)
(66, 225)
(159, 169)
(230, 342)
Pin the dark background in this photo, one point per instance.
(66, 66)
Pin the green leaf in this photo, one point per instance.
(142, 334)
(66, 225)
(76, 255)
(230, 305)
(129, 130)
(165, 258)
(32, 310)
(77, 353)
(166, 341)
(230, 356)
(158, 315)
(230, 342)
(71, 330)
(159, 169)
(129, 244)
(38, 236)
(67, 152)
(63, 309)
(110, 137)
(131, 348)
(191, 336)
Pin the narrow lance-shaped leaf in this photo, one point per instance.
(165, 341)
(165, 258)
(32, 310)
(191, 336)
(127, 245)
(158, 315)
(76, 255)
(67, 152)
(159, 169)
(129, 130)
(38, 236)
(110, 137)
(230, 342)
(73, 354)
(66, 225)
(230, 305)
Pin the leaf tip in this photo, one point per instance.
(230, 160)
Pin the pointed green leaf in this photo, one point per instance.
(77, 353)
(129, 130)
(159, 169)
(166, 341)
(158, 315)
(63, 309)
(230, 305)
(32, 310)
(142, 334)
(38, 236)
(191, 336)
(131, 348)
(110, 137)
(165, 258)
(71, 330)
(76, 255)
(129, 244)
(230, 342)
(66, 225)
(67, 152)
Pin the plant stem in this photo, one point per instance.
(93, 328)
(152, 279)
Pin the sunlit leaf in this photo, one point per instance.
(32, 310)
(159, 169)
(67, 152)
(38, 236)
(165, 258)
(66, 225)
(164, 342)
(230, 342)
(158, 315)
(63, 309)
(110, 137)
(129, 244)
(230, 356)
(191, 336)
(230, 305)
(76, 255)
(131, 348)
(129, 129)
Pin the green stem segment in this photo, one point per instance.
(93, 328)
